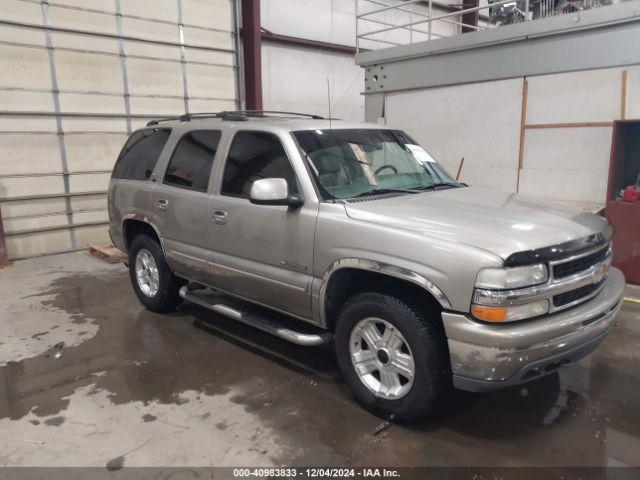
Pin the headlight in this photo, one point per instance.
(490, 302)
(515, 277)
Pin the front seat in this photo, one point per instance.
(331, 172)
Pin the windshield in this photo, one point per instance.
(356, 162)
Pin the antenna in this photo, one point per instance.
(329, 101)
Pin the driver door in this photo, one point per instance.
(263, 253)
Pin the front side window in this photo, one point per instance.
(252, 156)
(191, 162)
(354, 162)
(140, 154)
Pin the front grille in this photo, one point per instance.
(580, 264)
(574, 295)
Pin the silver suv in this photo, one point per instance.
(318, 230)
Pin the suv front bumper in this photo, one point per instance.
(489, 356)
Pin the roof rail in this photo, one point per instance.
(184, 118)
(264, 113)
(237, 115)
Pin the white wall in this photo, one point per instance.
(481, 122)
(330, 21)
(572, 163)
(294, 78)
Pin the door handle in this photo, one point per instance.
(219, 217)
(162, 204)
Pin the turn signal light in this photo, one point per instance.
(510, 313)
(489, 314)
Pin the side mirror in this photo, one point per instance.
(273, 191)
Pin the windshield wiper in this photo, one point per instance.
(435, 186)
(379, 191)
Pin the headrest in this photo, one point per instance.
(326, 162)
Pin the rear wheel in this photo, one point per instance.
(391, 356)
(154, 283)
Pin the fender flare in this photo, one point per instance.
(144, 219)
(379, 267)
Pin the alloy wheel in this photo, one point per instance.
(382, 358)
(147, 274)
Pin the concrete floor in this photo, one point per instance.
(92, 379)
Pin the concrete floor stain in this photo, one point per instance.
(54, 421)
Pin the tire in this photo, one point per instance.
(408, 398)
(159, 295)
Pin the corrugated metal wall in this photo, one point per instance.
(77, 77)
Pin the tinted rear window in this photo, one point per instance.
(190, 164)
(140, 154)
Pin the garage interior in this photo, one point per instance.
(548, 107)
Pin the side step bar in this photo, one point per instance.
(256, 321)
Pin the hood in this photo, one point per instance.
(499, 222)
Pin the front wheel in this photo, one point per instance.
(154, 283)
(393, 358)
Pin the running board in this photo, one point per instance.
(256, 321)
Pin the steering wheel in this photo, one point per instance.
(391, 167)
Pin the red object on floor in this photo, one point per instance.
(631, 194)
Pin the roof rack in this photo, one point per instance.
(237, 115)
(275, 113)
(184, 118)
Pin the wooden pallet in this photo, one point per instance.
(108, 253)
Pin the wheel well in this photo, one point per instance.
(348, 282)
(133, 228)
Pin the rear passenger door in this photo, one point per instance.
(262, 252)
(130, 187)
(182, 203)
